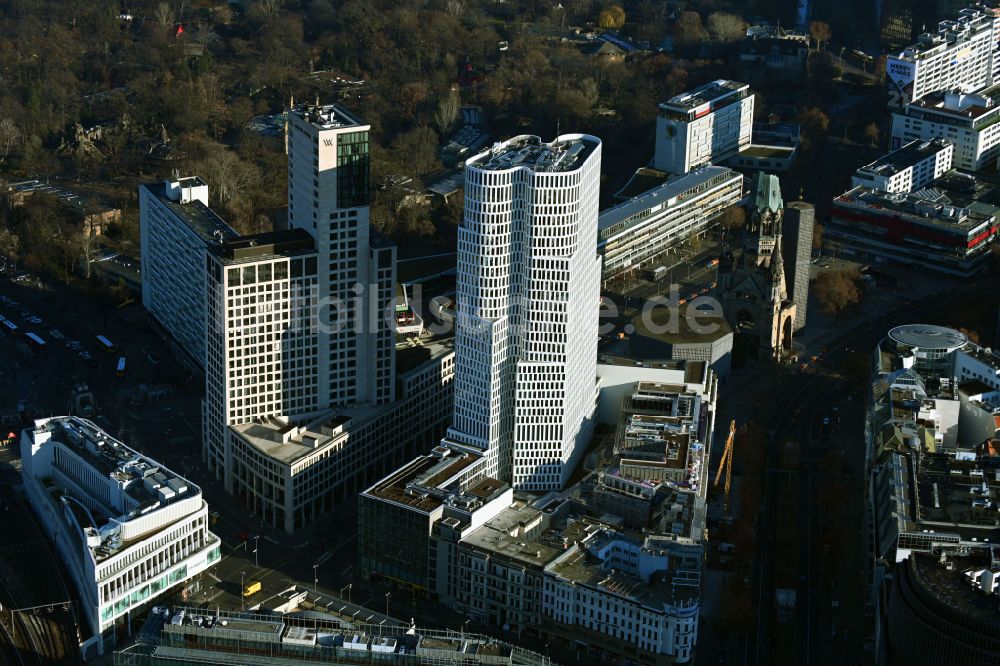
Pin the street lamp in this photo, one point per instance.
(243, 588)
(255, 539)
(348, 588)
(315, 579)
(388, 595)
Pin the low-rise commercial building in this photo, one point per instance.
(922, 229)
(907, 168)
(641, 231)
(290, 475)
(967, 120)
(184, 636)
(127, 528)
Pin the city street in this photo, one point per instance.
(822, 412)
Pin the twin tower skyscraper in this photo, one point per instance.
(528, 299)
(299, 323)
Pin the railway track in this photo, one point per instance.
(45, 634)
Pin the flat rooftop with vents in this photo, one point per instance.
(327, 116)
(115, 494)
(566, 153)
(715, 94)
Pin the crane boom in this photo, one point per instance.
(727, 462)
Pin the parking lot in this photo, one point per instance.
(49, 345)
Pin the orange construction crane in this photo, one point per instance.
(727, 460)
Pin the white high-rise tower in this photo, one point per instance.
(528, 300)
(328, 162)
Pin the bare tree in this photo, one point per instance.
(229, 176)
(447, 112)
(455, 8)
(836, 290)
(164, 15)
(88, 249)
(270, 7)
(820, 32)
(872, 134)
(10, 134)
(726, 27)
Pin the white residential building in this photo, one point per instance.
(328, 161)
(706, 125)
(262, 338)
(127, 528)
(176, 228)
(959, 56)
(528, 292)
(969, 121)
(908, 168)
(640, 592)
(641, 231)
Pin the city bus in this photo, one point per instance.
(106, 344)
(9, 326)
(35, 342)
(121, 367)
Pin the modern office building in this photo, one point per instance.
(703, 126)
(290, 475)
(969, 121)
(907, 168)
(959, 56)
(127, 528)
(262, 339)
(931, 500)
(923, 229)
(328, 197)
(176, 228)
(527, 298)
(396, 516)
(797, 246)
(641, 232)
